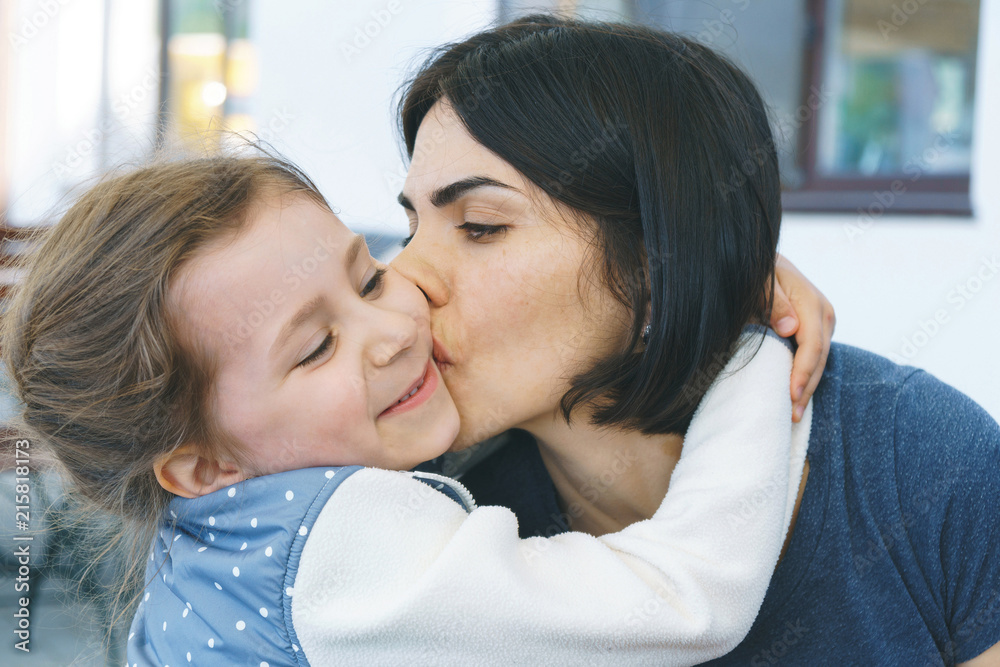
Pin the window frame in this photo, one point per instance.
(876, 195)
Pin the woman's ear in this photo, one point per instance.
(186, 473)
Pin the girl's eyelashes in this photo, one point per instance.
(477, 232)
(405, 242)
(318, 352)
(374, 286)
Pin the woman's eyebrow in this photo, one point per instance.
(448, 194)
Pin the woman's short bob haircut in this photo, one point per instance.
(665, 145)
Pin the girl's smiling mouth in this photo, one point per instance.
(417, 394)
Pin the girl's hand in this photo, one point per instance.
(801, 309)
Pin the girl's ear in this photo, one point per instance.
(186, 473)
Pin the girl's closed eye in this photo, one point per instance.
(316, 354)
(373, 287)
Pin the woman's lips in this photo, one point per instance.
(441, 355)
(426, 383)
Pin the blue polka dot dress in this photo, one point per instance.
(221, 572)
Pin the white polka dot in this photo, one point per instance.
(263, 612)
(188, 605)
(295, 648)
(200, 549)
(240, 625)
(232, 492)
(253, 522)
(211, 520)
(185, 614)
(264, 664)
(268, 551)
(145, 597)
(176, 537)
(131, 635)
(236, 571)
(218, 586)
(329, 474)
(303, 530)
(289, 495)
(164, 626)
(173, 514)
(211, 642)
(164, 577)
(243, 547)
(289, 591)
(189, 656)
(211, 536)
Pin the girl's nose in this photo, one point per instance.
(391, 335)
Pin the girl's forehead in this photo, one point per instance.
(284, 251)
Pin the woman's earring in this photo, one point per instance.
(645, 334)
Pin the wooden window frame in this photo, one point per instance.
(925, 194)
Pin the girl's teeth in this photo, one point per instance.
(410, 395)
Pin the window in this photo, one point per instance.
(893, 129)
(871, 100)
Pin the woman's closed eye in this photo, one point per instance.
(475, 231)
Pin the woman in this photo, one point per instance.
(570, 171)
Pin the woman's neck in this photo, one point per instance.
(605, 478)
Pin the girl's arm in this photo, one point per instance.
(394, 572)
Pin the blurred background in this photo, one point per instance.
(883, 112)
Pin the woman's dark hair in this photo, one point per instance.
(665, 145)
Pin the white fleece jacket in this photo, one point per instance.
(395, 573)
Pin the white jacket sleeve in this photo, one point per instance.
(396, 573)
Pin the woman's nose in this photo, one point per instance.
(414, 264)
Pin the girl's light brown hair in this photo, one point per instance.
(106, 385)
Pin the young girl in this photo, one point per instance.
(213, 356)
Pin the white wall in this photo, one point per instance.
(897, 281)
(887, 280)
(328, 75)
